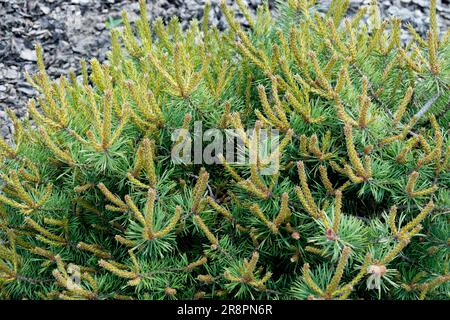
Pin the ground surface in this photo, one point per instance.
(70, 30)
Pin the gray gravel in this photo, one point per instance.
(70, 30)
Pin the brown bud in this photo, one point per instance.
(378, 270)
(206, 278)
(331, 235)
(199, 295)
(295, 235)
(170, 291)
(368, 149)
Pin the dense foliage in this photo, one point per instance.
(93, 207)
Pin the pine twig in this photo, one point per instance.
(427, 106)
(211, 193)
(375, 97)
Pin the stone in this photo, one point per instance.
(100, 26)
(44, 9)
(422, 3)
(27, 90)
(11, 74)
(29, 55)
(83, 2)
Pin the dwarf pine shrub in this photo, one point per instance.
(93, 205)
